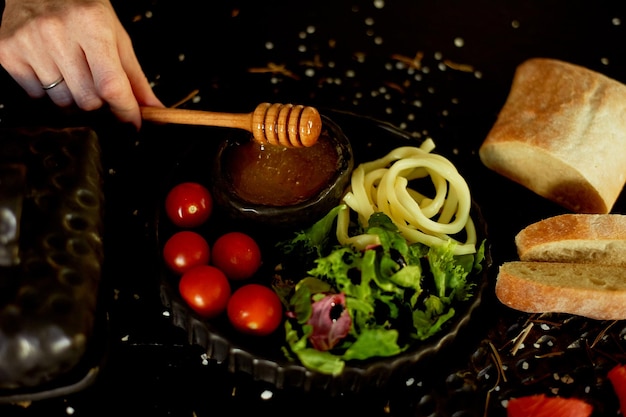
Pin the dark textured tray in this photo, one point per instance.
(51, 254)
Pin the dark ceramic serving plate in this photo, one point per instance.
(263, 358)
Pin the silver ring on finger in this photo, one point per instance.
(53, 84)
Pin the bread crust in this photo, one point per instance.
(561, 133)
(589, 290)
(582, 238)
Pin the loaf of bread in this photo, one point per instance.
(590, 290)
(582, 238)
(562, 134)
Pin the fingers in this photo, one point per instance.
(110, 78)
(88, 52)
(34, 58)
(94, 71)
(58, 91)
(48, 80)
(120, 80)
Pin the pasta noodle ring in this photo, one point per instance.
(457, 186)
(383, 185)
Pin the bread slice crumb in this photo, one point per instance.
(582, 238)
(589, 290)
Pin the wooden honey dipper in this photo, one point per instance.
(276, 124)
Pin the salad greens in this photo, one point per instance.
(355, 305)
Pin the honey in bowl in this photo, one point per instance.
(279, 176)
(281, 188)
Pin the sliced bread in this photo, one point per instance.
(562, 133)
(582, 238)
(589, 290)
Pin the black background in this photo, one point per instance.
(346, 56)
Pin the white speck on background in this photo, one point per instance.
(267, 395)
(459, 42)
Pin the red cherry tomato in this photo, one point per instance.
(237, 254)
(188, 204)
(184, 250)
(205, 289)
(617, 376)
(540, 405)
(255, 309)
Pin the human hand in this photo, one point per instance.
(77, 52)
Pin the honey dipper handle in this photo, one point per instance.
(275, 124)
(196, 117)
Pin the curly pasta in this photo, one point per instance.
(383, 185)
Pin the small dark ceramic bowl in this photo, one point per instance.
(288, 214)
